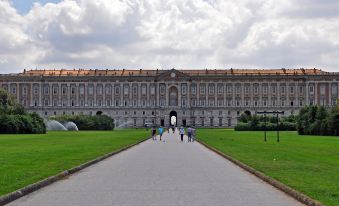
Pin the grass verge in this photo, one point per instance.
(26, 159)
(309, 164)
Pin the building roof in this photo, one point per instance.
(155, 72)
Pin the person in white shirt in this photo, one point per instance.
(182, 132)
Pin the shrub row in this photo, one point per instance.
(30, 123)
(15, 120)
(259, 123)
(283, 126)
(88, 122)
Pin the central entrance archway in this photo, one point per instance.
(173, 118)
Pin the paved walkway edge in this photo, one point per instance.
(45, 182)
(286, 189)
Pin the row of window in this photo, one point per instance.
(194, 103)
(229, 90)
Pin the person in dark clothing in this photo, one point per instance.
(182, 132)
(154, 133)
(189, 134)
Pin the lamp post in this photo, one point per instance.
(265, 126)
(274, 113)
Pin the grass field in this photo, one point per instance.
(25, 159)
(309, 164)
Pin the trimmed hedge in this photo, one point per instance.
(88, 122)
(283, 126)
(257, 123)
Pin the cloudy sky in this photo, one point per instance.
(164, 34)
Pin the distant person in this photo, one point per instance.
(173, 129)
(168, 129)
(193, 134)
(189, 134)
(160, 131)
(182, 132)
(154, 133)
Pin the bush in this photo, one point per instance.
(242, 126)
(268, 123)
(88, 122)
(283, 126)
(15, 120)
(318, 120)
(22, 124)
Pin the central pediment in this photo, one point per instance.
(172, 75)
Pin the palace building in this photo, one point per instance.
(201, 98)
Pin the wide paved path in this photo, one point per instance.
(160, 173)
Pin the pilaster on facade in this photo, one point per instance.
(95, 94)
(316, 93)
(86, 94)
(121, 86)
(179, 95)
(216, 93)
(157, 93)
(148, 94)
(31, 103)
(59, 94)
(197, 90)
(139, 95)
(40, 94)
(50, 99)
(68, 94)
(329, 90)
(307, 101)
(77, 95)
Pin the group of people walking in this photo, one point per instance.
(190, 132)
(160, 133)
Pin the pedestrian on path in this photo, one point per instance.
(173, 129)
(182, 132)
(154, 133)
(189, 134)
(160, 131)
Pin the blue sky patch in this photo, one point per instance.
(23, 6)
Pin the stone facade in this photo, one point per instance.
(202, 98)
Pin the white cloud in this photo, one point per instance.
(173, 33)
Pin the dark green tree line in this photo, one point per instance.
(318, 120)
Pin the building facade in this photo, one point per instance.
(201, 98)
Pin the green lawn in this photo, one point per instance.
(25, 159)
(309, 164)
